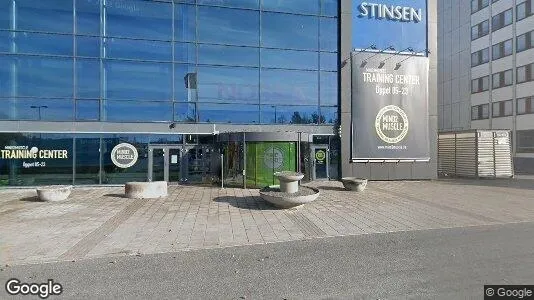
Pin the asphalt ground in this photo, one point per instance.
(450, 263)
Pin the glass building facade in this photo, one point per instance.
(136, 64)
(203, 61)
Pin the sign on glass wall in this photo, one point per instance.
(385, 23)
(390, 108)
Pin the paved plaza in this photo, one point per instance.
(97, 222)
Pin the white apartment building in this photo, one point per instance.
(486, 70)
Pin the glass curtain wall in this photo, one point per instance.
(225, 61)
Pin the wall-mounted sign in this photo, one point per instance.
(273, 158)
(390, 109)
(320, 156)
(124, 155)
(390, 12)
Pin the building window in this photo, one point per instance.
(479, 57)
(524, 106)
(525, 141)
(480, 30)
(502, 49)
(480, 112)
(480, 84)
(524, 73)
(502, 109)
(501, 20)
(502, 79)
(524, 10)
(524, 41)
(477, 5)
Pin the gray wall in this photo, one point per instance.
(387, 171)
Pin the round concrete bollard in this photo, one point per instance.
(289, 181)
(145, 190)
(54, 193)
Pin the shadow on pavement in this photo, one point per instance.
(332, 188)
(31, 199)
(517, 183)
(256, 203)
(116, 195)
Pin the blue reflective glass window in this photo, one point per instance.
(50, 15)
(328, 39)
(285, 86)
(231, 3)
(329, 89)
(328, 61)
(138, 49)
(228, 84)
(139, 19)
(6, 41)
(228, 26)
(281, 114)
(9, 109)
(44, 109)
(289, 59)
(128, 80)
(87, 110)
(87, 46)
(184, 23)
(293, 6)
(185, 52)
(87, 78)
(228, 113)
(329, 115)
(185, 112)
(289, 31)
(38, 43)
(36, 76)
(6, 14)
(329, 7)
(88, 17)
(137, 111)
(185, 83)
(228, 55)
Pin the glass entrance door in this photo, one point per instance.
(175, 164)
(320, 162)
(184, 164)
(158, 164)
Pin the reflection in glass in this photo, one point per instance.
(88, 46)
(50, 15)
(88, 17)
(184, 22)
(328, 34)
(224, 84)
(87, 159)
(228, 113)
(36, 76)
(138, 80)
(185, 83)
(228, 26)
(87, 78)
(289, 114)
(289, 31)
(232, 3)
(329, 88)
(285, 86)
(185, 112)
(289, 59)
(329, 7)
(137, 111)
(329, 115)
(228, 55)
(44, 109)
(328, 61)
(87, 110)
(39, 43)
(293, 6)
(139, 19)
(185, 52)
(138, 49)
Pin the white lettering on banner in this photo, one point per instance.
(391, 12)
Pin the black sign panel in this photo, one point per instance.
(389, 107)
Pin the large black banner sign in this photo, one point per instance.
(389, 108)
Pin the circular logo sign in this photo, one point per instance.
(273, 158)
(391, 124)
(320, 155)
(124, 155)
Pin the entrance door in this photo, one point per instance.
(184, 164)
(320, 162)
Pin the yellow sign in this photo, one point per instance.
(320, 155)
